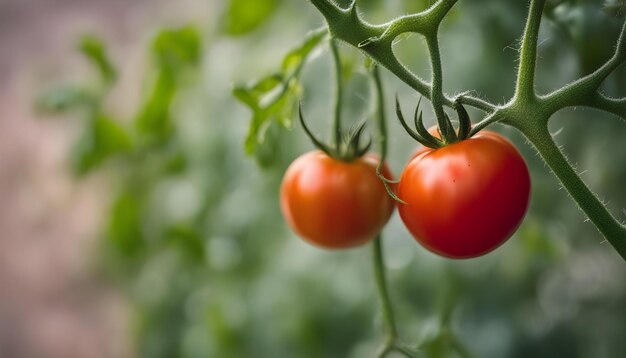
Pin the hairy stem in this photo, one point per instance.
(438, 11)
(376, 40)
(489, 119)
(530, 114)
(584, 91)
(616, 106)
(613, 231)
(436, 91)
(525, 87)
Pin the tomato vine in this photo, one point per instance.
(527, 111)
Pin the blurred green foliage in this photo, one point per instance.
(194, 235)
(244, 16)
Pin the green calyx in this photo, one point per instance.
(349, 145)
(421, 134)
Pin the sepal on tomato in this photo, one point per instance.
(349, 147)
(465, 124)
(427, 139)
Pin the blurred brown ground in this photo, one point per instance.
(51, 302)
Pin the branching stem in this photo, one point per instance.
(377, 40)
(527, 111)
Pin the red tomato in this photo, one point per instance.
(335, 204)
(465, 199)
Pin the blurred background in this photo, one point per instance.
(134, 224)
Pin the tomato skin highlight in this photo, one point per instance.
(465, 199)
(334, 204)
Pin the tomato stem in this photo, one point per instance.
(525, 87)
(436, 91)
(377, 40)
(391, 342)
(380, 111)
(383, 293)
(377, 250)
(613, 231)
(336, 135)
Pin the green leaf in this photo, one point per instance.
(175, 49)
(244, 16)
(102, 138)
(174, 52)
(65, 98)
(296, 57)
(268, 148)
(154, 115)
(273, 99)
(124, 227)
(93, 49)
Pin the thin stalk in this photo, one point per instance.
(377, 254)
(383, 294)
(377, 247)
(336, 136)
(380, 109)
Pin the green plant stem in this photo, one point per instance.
(383, 294)
(489, 119)
(530, 114)
(613, 231)
(438, 11)
(376, 40)
(380, 109)
(391, 342)
(584, 91)
(436, 91)
(525, 87)
(336, 135)
(377, 250)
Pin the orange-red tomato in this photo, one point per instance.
(465, 199)
(335, 204)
